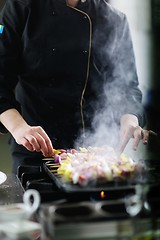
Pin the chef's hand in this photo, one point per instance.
(33, 138)
(130, 129)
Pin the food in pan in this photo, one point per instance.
(93, 164)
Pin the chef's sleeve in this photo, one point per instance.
(123, 89)
(12, 22)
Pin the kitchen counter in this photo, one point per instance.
(11, 190)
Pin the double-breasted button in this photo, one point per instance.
(85, 51)
(54, 13)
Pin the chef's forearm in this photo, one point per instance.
(129, 119)
(12, 120)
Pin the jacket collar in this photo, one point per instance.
(60, 6)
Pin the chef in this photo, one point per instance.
(60, 61)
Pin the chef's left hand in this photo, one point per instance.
(130, 129)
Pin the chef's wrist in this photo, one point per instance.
(12, 120)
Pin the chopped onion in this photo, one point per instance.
(57, 159)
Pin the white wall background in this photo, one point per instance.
(139, 16)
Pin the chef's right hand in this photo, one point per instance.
(33, 138)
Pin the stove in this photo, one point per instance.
(95, 213)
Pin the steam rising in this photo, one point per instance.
(104, 130)
(115, 81)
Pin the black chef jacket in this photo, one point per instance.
(58, 64)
